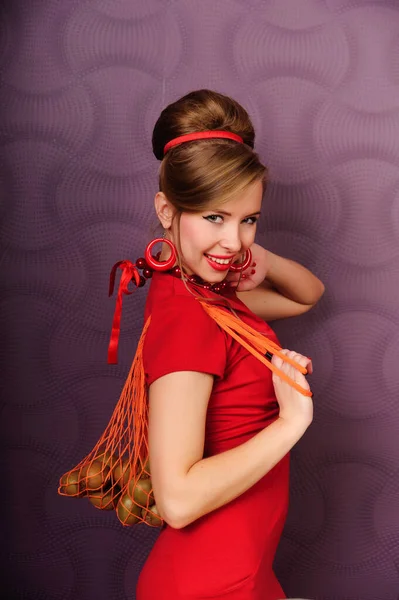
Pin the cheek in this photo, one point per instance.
(187, 228)
(191, 233)
(248, 237)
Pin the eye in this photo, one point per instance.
(250, 220)
(214, 218)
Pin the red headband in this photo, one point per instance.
(202, 135)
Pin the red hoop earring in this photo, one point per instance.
(155, 264)
(243, 265)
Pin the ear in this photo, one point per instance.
(164, 209)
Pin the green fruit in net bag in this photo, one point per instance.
(70, 483)
(142, 491)
(128, 512)
(94, 475)
(108, 459)
(152, 516)
(121, 472)
(102, 500)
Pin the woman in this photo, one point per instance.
(220, 424)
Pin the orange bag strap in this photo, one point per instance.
(256, 343)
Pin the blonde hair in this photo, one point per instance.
(194, 174)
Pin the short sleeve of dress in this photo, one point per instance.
(183, 337)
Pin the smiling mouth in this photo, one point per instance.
(220, 261)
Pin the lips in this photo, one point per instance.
(217, 266)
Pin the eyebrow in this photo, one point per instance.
(227, 214)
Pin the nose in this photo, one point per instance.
(231, 241)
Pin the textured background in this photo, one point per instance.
(82, 85)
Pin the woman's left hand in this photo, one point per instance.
(255, 274)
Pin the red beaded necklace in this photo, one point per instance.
(147, 272)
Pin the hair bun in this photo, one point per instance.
(201, 110)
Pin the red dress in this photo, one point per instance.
(228, 553)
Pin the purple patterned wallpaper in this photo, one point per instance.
(82, 83)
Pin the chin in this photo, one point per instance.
(213, 276)
(207, 275)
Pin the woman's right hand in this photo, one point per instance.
(295, 408)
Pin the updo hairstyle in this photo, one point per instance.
(195, 174)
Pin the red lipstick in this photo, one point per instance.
(216, 266)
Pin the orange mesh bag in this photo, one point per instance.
(115, 475)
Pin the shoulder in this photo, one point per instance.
(180, 318)
(182, 337)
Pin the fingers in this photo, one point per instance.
(304, 361)
(299, 358)
(289, 369)
(277, 361)
(284, 366)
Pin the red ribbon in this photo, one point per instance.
(129, 272)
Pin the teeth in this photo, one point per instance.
(220, 261)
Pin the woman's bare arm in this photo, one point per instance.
(186, 485)
(289, 289)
